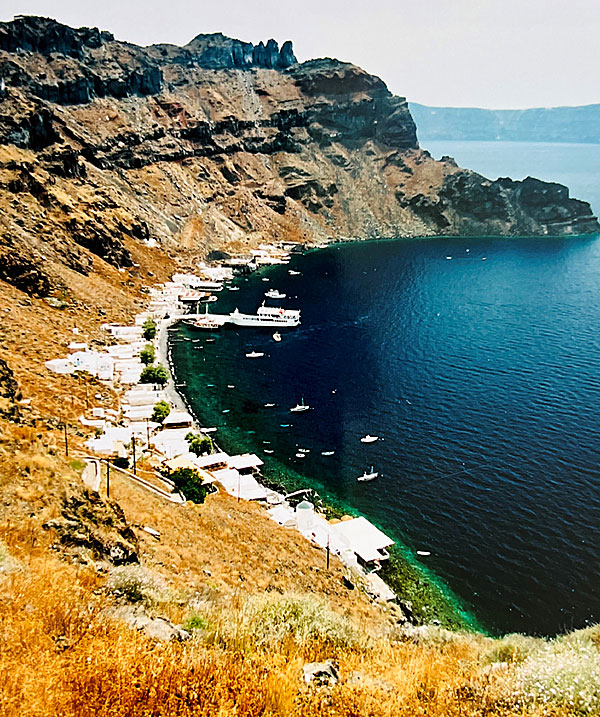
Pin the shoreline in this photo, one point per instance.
(429, 598)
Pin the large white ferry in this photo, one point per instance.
(266, 316)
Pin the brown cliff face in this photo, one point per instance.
(219, 145)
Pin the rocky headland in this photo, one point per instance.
(219, 145)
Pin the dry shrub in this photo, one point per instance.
(300, 619)
(565, 673)
(514, 648)
(136, 584)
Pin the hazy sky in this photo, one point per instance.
(483, 53)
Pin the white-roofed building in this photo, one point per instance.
(178, 419)
(245, 463)
(363, 538)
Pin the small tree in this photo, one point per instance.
(155, 374)
(149, 329)
(147, 354)
(200, 445)
(189, 482)
(161, 411)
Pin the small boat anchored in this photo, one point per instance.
(274, 294)
(369, 439)
(327, 453)
(368, 476)
(255, 354)
(300, 407)
(277, 337)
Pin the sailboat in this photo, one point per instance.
(300, 407)
(368, 476)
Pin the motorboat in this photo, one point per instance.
(269, 405)
(369, 439)
(255, 354)
(368, 476)
(300, 407)
(233, 288)
(274, 294)
(327, 453)
(267, 450)
(300, 455)
(291, 272)
(277, 336)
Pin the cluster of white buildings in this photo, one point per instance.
(357, 542)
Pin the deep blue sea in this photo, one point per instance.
(481, 378)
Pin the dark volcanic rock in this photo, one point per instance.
(89, 522)
(217, 52)
(23, 272)
(44, 35)
(9, 393)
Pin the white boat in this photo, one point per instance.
(266, 316)
(327, 453)
(291, 272)
(277, 336)
(300, 455)
(269, 405)
(369, 439)
(368, 476)
(265, 278)
(233, 288)
(207, 321)
(300, 407)
(267, 450)
(274, 294)
(255, 354)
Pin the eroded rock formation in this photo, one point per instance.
(220, 145)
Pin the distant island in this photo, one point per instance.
(542, 124)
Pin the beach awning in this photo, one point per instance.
(178, 418)
(245, 461)
(244, 487)
(214, 459)
(363, 537)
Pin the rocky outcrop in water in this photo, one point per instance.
(106, 148)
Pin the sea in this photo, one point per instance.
(475, 363)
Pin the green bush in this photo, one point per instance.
(161, 411)
(147, 354)
(155, 374)
(200, 445)
(149, 329)
(189, 482)
(195, 622)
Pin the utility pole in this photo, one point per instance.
(328, 552)
(148, 434)
(64, 425)
(108, 479)
(134, 463)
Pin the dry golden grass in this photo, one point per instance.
(61, 654)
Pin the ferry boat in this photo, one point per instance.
(274, 294)
(266, 316)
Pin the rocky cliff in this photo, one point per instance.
(107, 148)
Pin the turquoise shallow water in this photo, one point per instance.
(480, 377)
